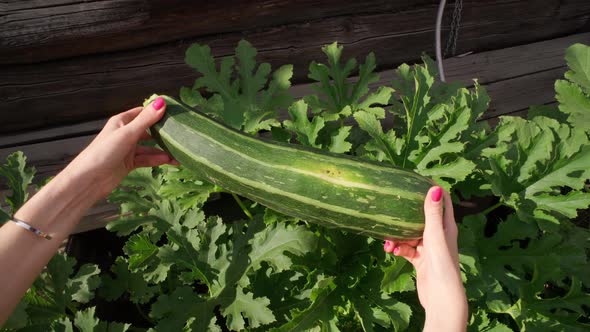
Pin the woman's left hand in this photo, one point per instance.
(115, 151)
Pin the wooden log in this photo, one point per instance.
(96, 86)
(35, 31)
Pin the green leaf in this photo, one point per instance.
(479, 322)
(240, 97)
(573, 102)
(397, 277)
(18, 178)
(375, 308)
(254, 309)
(338, 142)
(530, 171)
(321, 312)
(86, 321)
(124, 281)
(197, 313)
(578, 60)
(518, 267)
(185, 187)
(341, 95)
(388, 146)
(307, 132)
(567, 204)
(84, 283)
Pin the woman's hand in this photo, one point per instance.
(436, 260)
(58, 207)
(115, 152)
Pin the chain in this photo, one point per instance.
(451, 47)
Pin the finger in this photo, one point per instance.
(128, 116)
(433, 214)
(449, 224)
(142, 149)
(145, 136)
(411, 243)
(123, 118)
(450, 228)
(174, 162)
(407, 252)
(151, 160)
(388, 246)
(148, 116)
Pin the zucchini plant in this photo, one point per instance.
(524, 259)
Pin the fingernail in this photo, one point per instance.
(158, 103)
(396, 251)
(388, 246)
(436, 194)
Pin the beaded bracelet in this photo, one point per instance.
(30, 228)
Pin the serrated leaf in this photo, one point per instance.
(275, 241)
(18, 178)
(386, 144)
(339, 95)
(84, 283)
(125, 281)
(375, 308)
(397, 277)
(85, 320)
(307, 131)
(574, 103)
(338, 142)
(196, 312)
(254, 309)
(567, 204)
(239, 96)
(321, 312)
(578, 60)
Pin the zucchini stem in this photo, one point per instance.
(244, 208)
(492, 208)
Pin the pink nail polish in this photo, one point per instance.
(436, 194)
(158, 103)
(388, 246)
(396, 250)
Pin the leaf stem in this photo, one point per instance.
(244, 208)
(492, 208)
(142, 314)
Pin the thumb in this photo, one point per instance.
(433, 213)
(148, 116)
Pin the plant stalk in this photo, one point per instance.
(492, 208)
(244, 208)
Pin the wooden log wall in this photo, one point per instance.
(64, 62)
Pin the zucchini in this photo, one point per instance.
(330, 189)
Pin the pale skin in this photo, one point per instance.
(59, 206)
(436, 260)
(95, 172)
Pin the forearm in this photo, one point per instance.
(452, 319)
(56, 209)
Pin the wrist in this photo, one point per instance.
(60, 204)
(450, 319)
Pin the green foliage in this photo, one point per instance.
(525, 268)
(56, 295)
(241, 96)
(18, 178)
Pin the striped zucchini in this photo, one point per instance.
(333, 190)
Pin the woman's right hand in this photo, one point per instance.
(436, 260)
